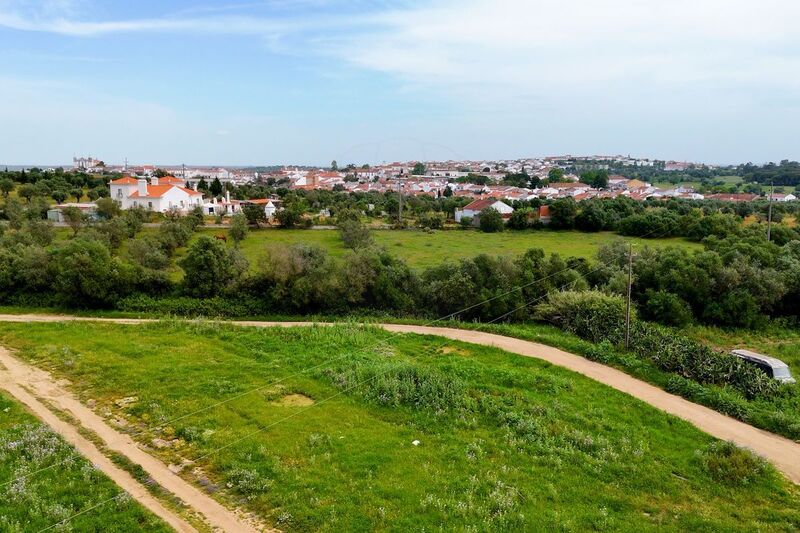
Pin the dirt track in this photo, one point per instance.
(782, 452)
(18, 378)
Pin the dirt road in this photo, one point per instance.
(782, 452)
(9, 382)
(33, 387)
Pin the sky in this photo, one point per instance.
(238, 82)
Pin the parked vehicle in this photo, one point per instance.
(775, 368)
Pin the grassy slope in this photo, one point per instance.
(48, 497)
(580, 455)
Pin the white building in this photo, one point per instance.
(160, 195)
(473, 210)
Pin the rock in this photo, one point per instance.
(91, 403)
(161, 443)
(415, 442)
(125, 402)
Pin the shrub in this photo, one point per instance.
(491, 221)
(354, 234)
(396, 384)
(592, 315)
(465, 222)
(211, 267)
(730, 464)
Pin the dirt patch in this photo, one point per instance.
(294, 400)
(448, 350)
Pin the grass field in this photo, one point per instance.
(421, 249)
(505, 442)
(45, 499)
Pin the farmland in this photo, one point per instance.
(43, 499)
(505, 442)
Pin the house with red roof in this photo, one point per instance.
(473, 210)
(160, 194)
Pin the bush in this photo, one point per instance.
(732, 465)
(211, 267)
(491, 221)
(465, 222)
(354, 234)
(592, 315)
(396, 384)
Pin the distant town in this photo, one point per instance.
(520, 179)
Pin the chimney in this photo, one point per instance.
(228, 196)
(195, 185)
(142, 186)
(154, 180)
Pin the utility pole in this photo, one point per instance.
(628, 308)
(769, 213)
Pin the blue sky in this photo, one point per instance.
(307, 81)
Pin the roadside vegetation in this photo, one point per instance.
(31, 501)
(368, 430)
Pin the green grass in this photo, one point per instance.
(506, 442)
(421, 249)
(49, 497)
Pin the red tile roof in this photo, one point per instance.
(480, 205)
(127, 180)
(157, 191)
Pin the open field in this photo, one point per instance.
(421, 249)
(506, 442)
(42, 500)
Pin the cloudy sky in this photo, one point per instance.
(307, 81)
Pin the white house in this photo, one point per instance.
(271, 205)
(161, 195)
(473, 210)
(779, 197)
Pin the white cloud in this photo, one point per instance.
(530, 43)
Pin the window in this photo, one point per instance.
(119, 193)
(149, 205)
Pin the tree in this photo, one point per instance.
(59, 195)
(216, 187)
(211, 267)
(354, 234)
(74, 218)
(6, 186)
(108, 208)
(255, 214)
(26, 191)
(596, 178)
(419, 169)
(334, 165)
(448, 192)
(520, 219)
(290, 216)
(431, 220)
(563, 213)
(202, 185)
(238, 230)
(87, 275)
(491, 221)
(555, 174)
